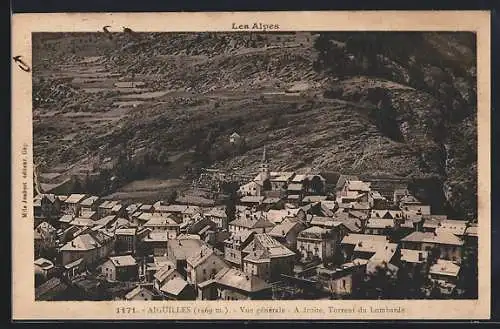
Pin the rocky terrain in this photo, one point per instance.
(400, 105)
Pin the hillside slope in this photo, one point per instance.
(378, 104)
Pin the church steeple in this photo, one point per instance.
(264, 156)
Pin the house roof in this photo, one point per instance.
(271, 200)
(109, 204)
(281, 176)
(240, 236)
(182, 249)
(265, 242)
(146, 207)
(164, 272)
(314, 198)
(351, 195)
(329, 204)
(46, 228)
(52, 285)
(89, 201)
(87, 241)
(237, 279)
(201, 256)
(277, 216)
(191, 210)
(75, 198)
(342, 180)
(216, 212)
(357, 214)
(383, 252)
(82, 242)
(126, 260)
(445, 267)
(174, 208)
(174, 286)
(380, 223)
(299, 178)
(414, 256)
(235, 134)
(294, 187)
(284, 228)
(251, 221)
(82, 222)
(357, 185)
(156, 237)
(314, 232)
(160, 221)
(136, 291)
(74, 264)
(431, 237)
(44, 263)
(353, 238)
(87, 213)
(324, 221)
(105, 220)
(66, 218)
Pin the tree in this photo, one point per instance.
(230, 209)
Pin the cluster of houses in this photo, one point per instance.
(290, 235)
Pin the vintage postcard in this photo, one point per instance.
(258, 165)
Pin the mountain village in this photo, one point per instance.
(283, 236)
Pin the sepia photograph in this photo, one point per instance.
(254, 163)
